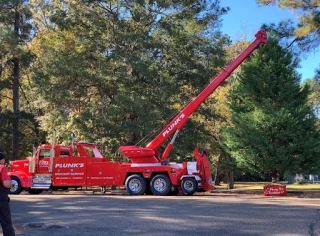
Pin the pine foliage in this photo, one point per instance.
(274, 129)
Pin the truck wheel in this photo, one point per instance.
(189, 186)
(160, 185)
(16, 185)
(135, 185)
(34, 191)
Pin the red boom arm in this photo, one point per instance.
(179, 121)
(149, 153)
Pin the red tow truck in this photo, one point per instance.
(81, 164)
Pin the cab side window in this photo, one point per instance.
(64, 153)
(44, 153)
(89, 151)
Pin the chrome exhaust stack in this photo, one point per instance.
(52, 151)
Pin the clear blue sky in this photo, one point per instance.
(246, 17)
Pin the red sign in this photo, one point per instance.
(275, 190)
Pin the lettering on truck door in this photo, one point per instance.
(69, 170)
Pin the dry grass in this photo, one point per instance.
(243, 186)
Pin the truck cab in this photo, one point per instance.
(55, 166)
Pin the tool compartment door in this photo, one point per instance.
(100, 173)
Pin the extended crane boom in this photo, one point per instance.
(179, 121)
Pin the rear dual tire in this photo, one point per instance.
(135, 185)
(189, 186)
(160, 185)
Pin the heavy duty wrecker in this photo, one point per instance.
(82, 164)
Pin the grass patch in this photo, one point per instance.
(304, 186)
(243, 186)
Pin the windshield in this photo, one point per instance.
(44, 153)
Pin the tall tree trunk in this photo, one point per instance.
(216, 176)
(15, 95)
(275, 178)
(230, 179)
(217, 170)
(16, 111)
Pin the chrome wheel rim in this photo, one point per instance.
(135, 185)
(160, 185)
(14, 186)
(188, 185)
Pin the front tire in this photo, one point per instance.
(135, 185)
(189, 186)
(16, 187)
(160, 185)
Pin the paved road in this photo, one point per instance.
(216, 214)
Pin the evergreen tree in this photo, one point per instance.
(15, 31)
(274, 131)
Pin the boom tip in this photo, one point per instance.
(262, 35)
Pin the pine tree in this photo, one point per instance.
(274, 130)
(15, 31)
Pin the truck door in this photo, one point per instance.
(69, 169)
(43, 161)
